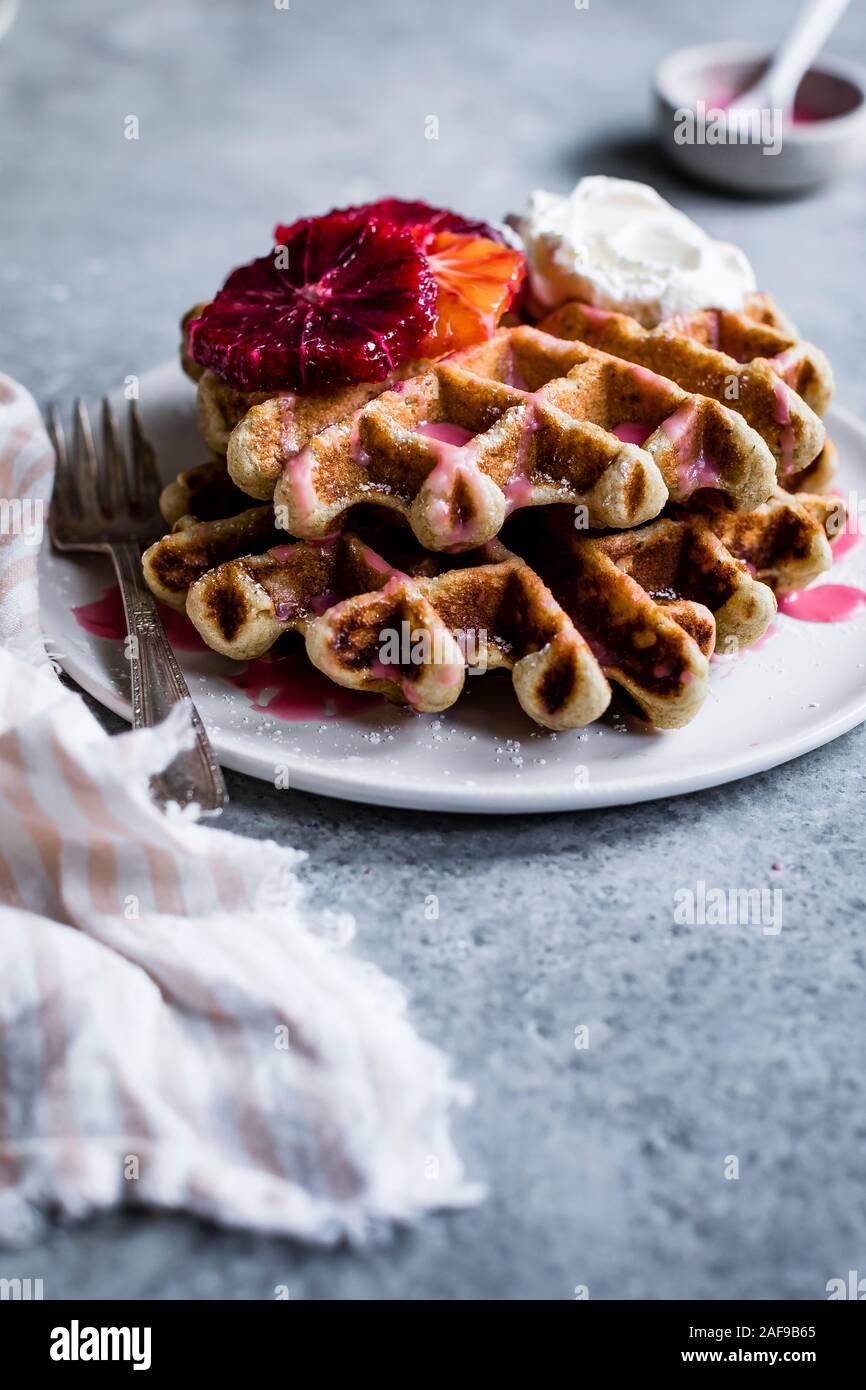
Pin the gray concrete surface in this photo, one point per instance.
(605, 1166)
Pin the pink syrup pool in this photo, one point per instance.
(105, 618)
(846, 542)
(287, 687)
(829, 603)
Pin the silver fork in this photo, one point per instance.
(101, 503)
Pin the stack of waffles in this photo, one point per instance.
(591, 505)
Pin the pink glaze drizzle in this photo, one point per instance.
(519, 489)
(785, 363)
(512, 376)
(633, 431)
(527, 430)
(299, 481)
(694, 470)
(518, 493)
(596, 315)
(357, 452)
(783, 417)
(451, 460)
(445, 432)
(651, 380)
(376, 562)
(322, 602)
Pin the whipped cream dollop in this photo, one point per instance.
(617, 244)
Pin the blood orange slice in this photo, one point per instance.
(338, 301)
(477, 280)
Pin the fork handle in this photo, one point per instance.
(158, 685)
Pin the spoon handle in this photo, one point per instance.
(811, 27)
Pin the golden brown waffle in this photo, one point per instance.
(205, 491)
(722, 355)
(819, 475)
(193, 547)
(663, 591)
(711, 573)
(523, 420)
(763, 332)
(651, 638)
(650, 602)
(261, 431)
(271, 424)
(277, 427)
(498, 431)
(787, 542)
(192, 369)
(494, 598)
(350, 603)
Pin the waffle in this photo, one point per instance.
(819, 475)
(654, 602)
(192, 369)
(787, 542)
(271, 424)
(646, 604)
(279, 426)
(763, 331)
(620, 422)
(205, 492)
(344, 597)
(724, 356)
(650, 604)
(708, 351)
(523, 420)
(193, 547)
(809, 374)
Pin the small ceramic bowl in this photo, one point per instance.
(827, 135)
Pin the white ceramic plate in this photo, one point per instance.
(800, 688)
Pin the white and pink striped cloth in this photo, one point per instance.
(178, 1027)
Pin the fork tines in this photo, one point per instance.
(95, 488)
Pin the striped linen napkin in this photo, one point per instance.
(179, 1028)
